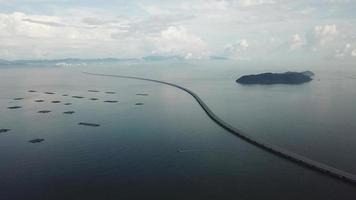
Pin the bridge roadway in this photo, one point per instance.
(276, 150)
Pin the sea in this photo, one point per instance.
(154, 141)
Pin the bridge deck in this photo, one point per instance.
(296, 158)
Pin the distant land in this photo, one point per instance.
(78, 61)
(276, 78)
(218, 58)
(64, 61)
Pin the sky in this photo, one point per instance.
(309, 30)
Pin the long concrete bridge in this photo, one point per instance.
(276, 150)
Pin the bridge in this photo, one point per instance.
(276, 150)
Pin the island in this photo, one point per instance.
(277, 78)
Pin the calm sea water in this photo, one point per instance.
(168, 147)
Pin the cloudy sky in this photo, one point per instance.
(322, 30)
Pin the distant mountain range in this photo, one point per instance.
(67, 60)
(78, 61)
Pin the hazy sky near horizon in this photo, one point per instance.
(321, 31)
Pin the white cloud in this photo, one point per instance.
(43, 26)
(325, 34)
(326, 30)
(341, 53)
(325, 38)
(178, 41)
(190, 28)
(244, 44)
(43, 36)
(248, 3)
(237, 47)
(297, 41)
(353, 53)
(339, 1)
(15, 24)
(156, 10)
(204, 5)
